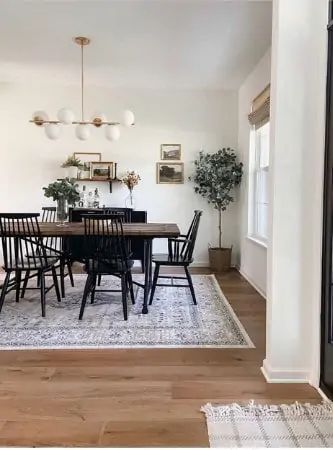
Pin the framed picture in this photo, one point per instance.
(87, 159)
(101, 170)
(171, 152)
(170, 173)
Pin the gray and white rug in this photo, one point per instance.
(269, 426)
(172, 321)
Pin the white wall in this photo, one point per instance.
(299, 61)
(195, 119)
(253, 262)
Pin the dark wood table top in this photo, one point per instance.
(143, 230)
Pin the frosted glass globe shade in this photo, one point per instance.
(65, 116)
(52, 131)
(82, 132)
(128, 118)
(112, 132)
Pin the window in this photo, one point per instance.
(259, 171)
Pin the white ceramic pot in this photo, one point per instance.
(72, 172)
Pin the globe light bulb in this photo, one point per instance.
(66, 116)
(52, 131)
(82, 132)
(112, 132)
(128, 118)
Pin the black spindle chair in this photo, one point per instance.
(55, 247)
(20, 236)
(106, 253)
(180, 254)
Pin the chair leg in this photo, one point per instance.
(4, 289)
(42, 292)
(189, 279)
(130, 286)
(156, 273)
(18, 277)
(85, 295)
(55, 282)
(25, 283)
(142, 265)
(124, 295)
(93, 288)
(70, 273)
(62, 278)
(99, 280)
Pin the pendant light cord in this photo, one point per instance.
(82, 84)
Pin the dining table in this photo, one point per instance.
(145, 231)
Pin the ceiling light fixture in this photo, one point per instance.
(66, 116)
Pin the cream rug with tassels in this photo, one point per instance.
(270, 426)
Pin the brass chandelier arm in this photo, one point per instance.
(40, 122)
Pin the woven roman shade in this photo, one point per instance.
(260, 110)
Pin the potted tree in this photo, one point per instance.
(72, 164)
(215, 177)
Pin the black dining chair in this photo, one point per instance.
(55, 247)
(180, 254)
(106, 253)
(21, 236)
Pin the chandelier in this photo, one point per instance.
(66, 116)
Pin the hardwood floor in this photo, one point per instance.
(148, 397)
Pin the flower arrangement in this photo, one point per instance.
(131, 179)
(64, 189)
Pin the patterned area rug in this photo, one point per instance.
(259, 426)
(172, 321)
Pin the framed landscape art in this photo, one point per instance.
(170, 173)
(171, 152)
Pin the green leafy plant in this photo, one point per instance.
(72, 161)
(215, 177)
(63, 189)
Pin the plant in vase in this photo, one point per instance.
(215, 177)
(131, 179)
(64, 192)
(72, 164)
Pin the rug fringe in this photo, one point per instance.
(255, 409)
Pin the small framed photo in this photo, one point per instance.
(101, 170)
(170, 173)
(87, 159)
(171, 152)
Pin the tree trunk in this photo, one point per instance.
(220, 228)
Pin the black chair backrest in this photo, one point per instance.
(20, 236)
(188, 246)
(49, 214)
(105, 243)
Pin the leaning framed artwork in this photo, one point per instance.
(170, 173)
(101, 170)
(171, 152)
(87, 159)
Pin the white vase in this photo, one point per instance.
(72, 172)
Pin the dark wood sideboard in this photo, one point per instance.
(130, 216)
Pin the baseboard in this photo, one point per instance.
(252, 283)
(284, 376)
(323, 395)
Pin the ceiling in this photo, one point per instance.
(210, 44)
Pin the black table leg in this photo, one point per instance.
(148, 274)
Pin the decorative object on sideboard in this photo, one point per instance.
(66, 117)
(215, 177)
(171, 152)
(87, 158)
(170, 173)
(64, 192)
(72, 164)
(131, 179)
(101, 171)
